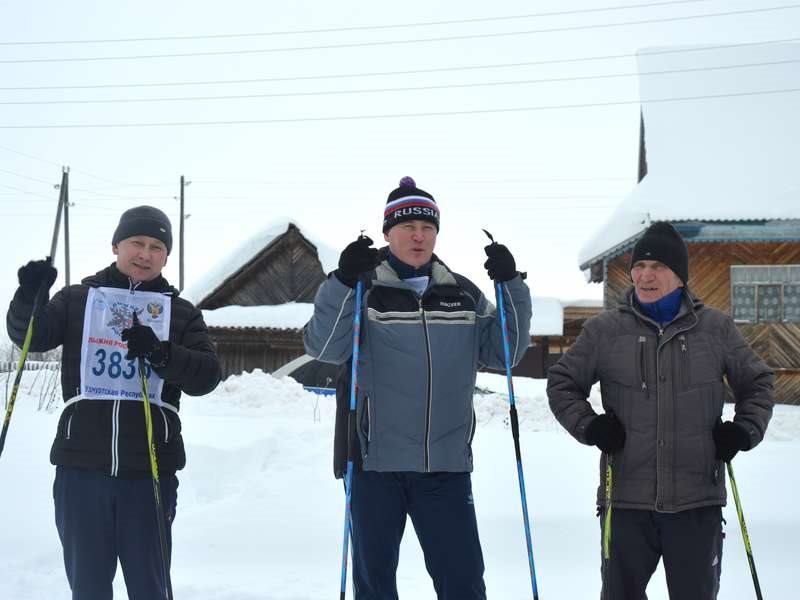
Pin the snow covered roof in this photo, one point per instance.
(548, 316)
(248, 250)
(712, 159)
(292, 315)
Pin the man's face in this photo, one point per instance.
(653, 280)
(140, 257)
(412, 241)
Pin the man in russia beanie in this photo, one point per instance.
(144, 220)
(406, 203)
(662, 242)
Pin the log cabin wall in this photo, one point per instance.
(710, 279)
(241, 349)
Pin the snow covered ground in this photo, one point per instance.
(260, 514)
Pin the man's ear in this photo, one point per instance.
(114, 249)
(385, 238)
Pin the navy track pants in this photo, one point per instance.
(443, 514)
(100, 519)
(690, 543)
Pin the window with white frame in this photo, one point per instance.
(765, 294)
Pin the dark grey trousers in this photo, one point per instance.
(690, 542)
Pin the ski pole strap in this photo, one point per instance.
(515, 431)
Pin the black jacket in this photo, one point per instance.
(110, 434)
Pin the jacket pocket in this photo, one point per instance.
(366, 419)
(641, 352)
(472, 425)
(65, 425)
(683, 362)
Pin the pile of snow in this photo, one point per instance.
(260, 515)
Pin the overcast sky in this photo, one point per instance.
(540, 164)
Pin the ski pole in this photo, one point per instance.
(607, 522)
(498, 288)
(151, 449)
(37, 302)
(351, 433)
(745, 536)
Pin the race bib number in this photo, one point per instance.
(105, 372)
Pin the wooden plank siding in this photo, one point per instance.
(709, 278)
(242, 349)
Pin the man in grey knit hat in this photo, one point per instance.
(103, 491)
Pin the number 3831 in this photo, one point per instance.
(115, 365)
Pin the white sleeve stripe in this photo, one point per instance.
(335, 324)
(516, 325)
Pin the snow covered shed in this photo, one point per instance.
(256, 301)
(721, 169)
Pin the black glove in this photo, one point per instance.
(606, 432)
(729, 438)
(356, 258)
(500, 265)
(33, 275)
(143, 342)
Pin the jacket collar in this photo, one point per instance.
(690, 304)
(111, 276)
(439, 274)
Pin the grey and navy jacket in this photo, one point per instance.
(110, 434)
(666, 385)
(418, 360)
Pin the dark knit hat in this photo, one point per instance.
(408, 203)
(662, 242)
(144, 220)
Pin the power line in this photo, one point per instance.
(28, 193)
(20, 175)
(396, 89)
(396, 42)
(352, 28)
(404, 72)
(403, 115)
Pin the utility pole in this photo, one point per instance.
(184, 183)
(66, 225)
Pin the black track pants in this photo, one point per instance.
(690, 542)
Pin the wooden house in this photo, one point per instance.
(257, 300)
(723, 174)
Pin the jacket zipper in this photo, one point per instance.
(115, 438)
(69, 425)
(661, 343)
(427, 449)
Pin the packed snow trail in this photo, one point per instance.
(259, 513)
